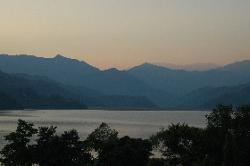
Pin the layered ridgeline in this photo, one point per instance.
(181, 82)
(199, 89)
(144, 86)
(19, 91)
(88, 85)
(209, 97)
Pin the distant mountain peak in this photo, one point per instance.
(112, 70)
(148, 64)
(64, 58)
(145, 65)
(59, 56)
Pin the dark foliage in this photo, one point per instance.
(101, 136)
(181, 144)
(228, 137)
(114, 151)
(125, 151)
(48, 150)
(224, 142)
(157, 162)
(18, 151)
(64, 150)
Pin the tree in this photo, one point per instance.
(241, 132)
(114, 151)
(228, 136)
(100, 136)
(125, 151)
(218, 134)
(64, 150)
(157, 162)
(17, 152)
(181, 144)
(48, 149)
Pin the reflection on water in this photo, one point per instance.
(132, 123)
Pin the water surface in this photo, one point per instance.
(131, 123)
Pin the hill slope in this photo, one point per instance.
(59, 68)
(77, 73)
(25, 92)
(181, 82)
(20, 91)
(209, 97)
(143, 86)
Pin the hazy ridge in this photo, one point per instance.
(145, 86)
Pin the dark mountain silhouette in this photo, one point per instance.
(59, 68)
(181, 82)
(115, 82)
(19, 91)
(78, 73)
(209, 97)
(143, 86)
(7, 102)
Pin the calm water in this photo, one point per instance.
(132, 123)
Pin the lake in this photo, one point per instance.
(132, 123)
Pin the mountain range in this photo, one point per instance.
(21, 91)
(147, 86)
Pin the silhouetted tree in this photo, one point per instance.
(48, 150)
(64, 150)
(17, 152)
(157, 162)
(240, 136)
(181, 144)
(228, 136)
(100, 136)
(125, 151)
(219, 123)
(114, 151)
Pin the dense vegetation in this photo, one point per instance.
(224, 142)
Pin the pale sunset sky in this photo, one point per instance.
(123, 33)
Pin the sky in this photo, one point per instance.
(124, 33)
